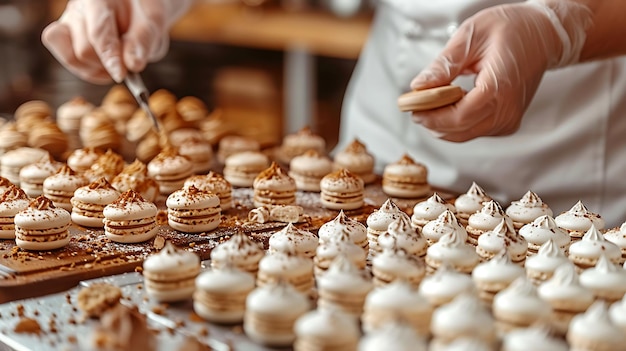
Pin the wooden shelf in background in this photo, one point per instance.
(271, 28)
(320, 33)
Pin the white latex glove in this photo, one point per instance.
(102, 39)
(508, 47)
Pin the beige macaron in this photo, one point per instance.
(342, 190)
(241, 169)
(429, 99)
(232, 144)
(170, 170)
(42, 226)
(357, 160)
(406, 179)
(274, 187)
(191, 210)
(308, 169)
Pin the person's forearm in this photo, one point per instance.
(606, 36)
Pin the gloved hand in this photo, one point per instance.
(509, 48)
(102, 39)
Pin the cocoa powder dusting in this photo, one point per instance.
(28, 326)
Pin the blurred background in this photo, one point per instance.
(270, 67)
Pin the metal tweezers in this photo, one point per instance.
(137, 87)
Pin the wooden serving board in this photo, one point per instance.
(90, 255)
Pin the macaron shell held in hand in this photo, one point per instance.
(429, 99)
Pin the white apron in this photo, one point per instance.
(571, 144)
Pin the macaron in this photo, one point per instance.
(342, 190)
(135, 176)
(292, 239)
(308, 169)
(444, 224)
(533, 338)
(12, 162)
(299, 143)
(326, 329)
(586, 252)
(89, 201)
(233, 144)
(60, 187)
(5, 184)
(199, 152)
(444, 285)
(288, 267)
(616, 312)
(242, 168)
(271, 313)
(179, 136)
(606, 280)
(402, 235)
(170, 274)
(239, 251)
(357, 160)
(11, 138)
(429, 99)
(130, 219)
(33, 175)
(148, 147)
(41, 226)
(378, 222)
(190, 210)
(69, 114)
(618, 237)
(503, 236)
(81, 160)
(170, 170)
(495, 275)
(341, 244)
(30, 113)
(274, 186)
(429, 209)
(397, 335)
(541, 266)
(46, 135)
(527, 209)
(12, 201)
(215, 183)
(578, 220)
(542, 229)
(489, 216)
(392, 264)
(453, 250)
(108, 165)
(566, 296)
(98, 130)
(343, 287)
(469, 202)
(594, 330)
(344, 224)
(406, 179)
(220, 295)
(192, 109)
(397, 300)
(463, 317)
(519, 306)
